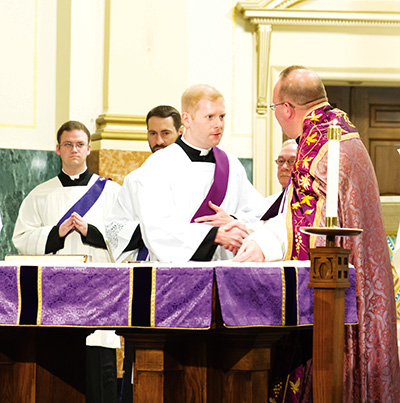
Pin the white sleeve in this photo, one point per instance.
(30, 233)
(271, 235)
(122, 221)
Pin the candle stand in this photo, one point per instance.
(329, 278)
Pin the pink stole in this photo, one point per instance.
(217, 191)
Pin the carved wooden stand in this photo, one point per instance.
(329, 276)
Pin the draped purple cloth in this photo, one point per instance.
(253, 296)
(85, 296)
(181, 297)
(184, 297)
(250, 296)
(217, 191)
(8, 295)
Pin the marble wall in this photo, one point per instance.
(115, 164)
(20, 172)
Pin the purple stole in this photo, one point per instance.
(142, 254)
(305, 205)
(277, 206)
(83, 205)
(217, 191)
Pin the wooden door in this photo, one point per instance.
(376, 113)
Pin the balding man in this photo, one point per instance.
(302, 109)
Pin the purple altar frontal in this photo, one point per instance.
(159, 295)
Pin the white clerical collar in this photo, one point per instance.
(203, 151)
(73, 177)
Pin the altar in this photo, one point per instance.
(201, 332)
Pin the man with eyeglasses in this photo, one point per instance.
(285, 161)
(301, 107)
(65, 215)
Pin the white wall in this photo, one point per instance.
(27, 74)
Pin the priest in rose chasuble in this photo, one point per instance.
(301, 107)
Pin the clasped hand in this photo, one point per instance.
(217, 219)
(73, 223)
(231, 235)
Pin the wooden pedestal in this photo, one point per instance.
(329, 278)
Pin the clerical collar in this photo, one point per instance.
(203, 151)
(195, 153)
(74, 177)
(71, 180)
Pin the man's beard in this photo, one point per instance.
(157, 147)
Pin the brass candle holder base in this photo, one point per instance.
(331, 233)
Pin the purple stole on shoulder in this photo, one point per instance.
(217, 191)
(83, 205)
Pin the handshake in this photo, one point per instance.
(231, 234)
(232, 237)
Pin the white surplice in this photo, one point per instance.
(47, 203)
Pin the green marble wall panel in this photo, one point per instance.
(248, 166)
(20, 172)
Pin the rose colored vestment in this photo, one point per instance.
(371, 370)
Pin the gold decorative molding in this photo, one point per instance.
(256, 14)
(263, 46)
(120, 127)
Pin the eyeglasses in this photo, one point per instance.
(70, 146)
(273, 106)
(281, 161)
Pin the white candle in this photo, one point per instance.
(334, 133)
